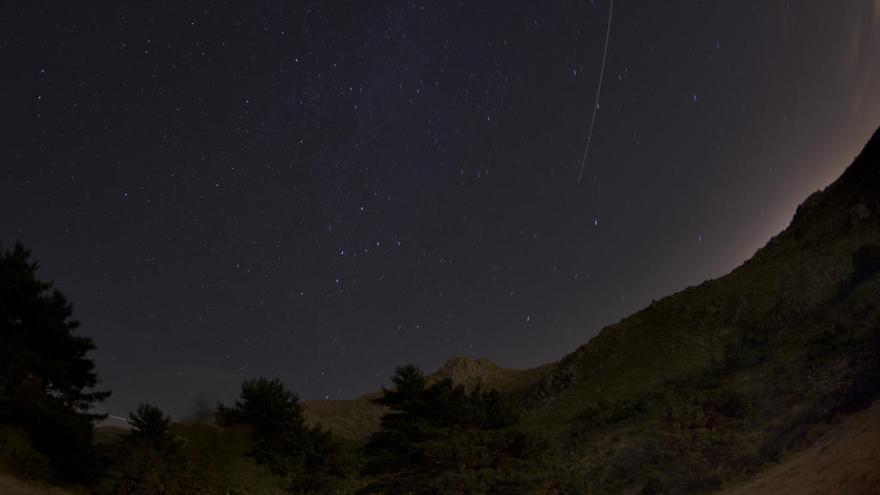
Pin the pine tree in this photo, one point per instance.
(46, 379)
(152, 427)
(305, 457)
(438, 438)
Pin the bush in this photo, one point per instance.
(141, 469)
(18, 456)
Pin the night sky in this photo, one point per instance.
(320, 192)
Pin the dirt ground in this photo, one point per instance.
(12, 486)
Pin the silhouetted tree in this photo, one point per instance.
(438, 436)
(46, 379)
(305, 457)
(151, 426)
(149, 461)
(409, 383)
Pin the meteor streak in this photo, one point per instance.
(598, 92)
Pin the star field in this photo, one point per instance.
(321, 192)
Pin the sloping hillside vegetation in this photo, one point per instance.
(844, 460)
(761, 381)
(712, 384)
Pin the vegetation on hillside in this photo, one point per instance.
(696, 392)
(709, 385)
(306, 458)
(440, 438)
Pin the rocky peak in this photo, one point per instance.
(467, 370)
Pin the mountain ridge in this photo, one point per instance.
(763, 380)
(859, 179)
(710, 385)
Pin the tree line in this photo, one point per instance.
(435, 437)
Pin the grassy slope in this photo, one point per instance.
(797, 270)
(737, 372)
(353, 419)
(846, 461)
(684, 333)
(777, 332)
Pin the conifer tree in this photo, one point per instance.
(46, 378)
(305, 457)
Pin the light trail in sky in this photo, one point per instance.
(598, 93)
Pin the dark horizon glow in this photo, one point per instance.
(319, 193)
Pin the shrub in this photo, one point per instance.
(18, 456)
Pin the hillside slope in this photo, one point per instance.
(846, 460)
(717, 381)
(762, 381)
